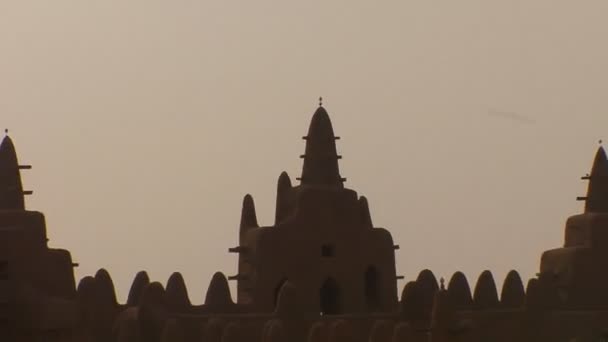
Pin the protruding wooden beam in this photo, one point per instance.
(337, 156)
(237, 249)
(306, 138)
(25, 167)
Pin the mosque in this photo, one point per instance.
(321, 273)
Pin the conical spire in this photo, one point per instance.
(366, 216)
(137, 288)
(459, 292)
(321, 159)
(597, 192)
(218, 293)
(283, 189)
(485, 295)
(11, 189)
(248, 216)
(176, 292)
(425, 289)
(513, 294)
(105, 285)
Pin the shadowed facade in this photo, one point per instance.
(575, 274)
(322, 273)
(37, 290)
(323, 240)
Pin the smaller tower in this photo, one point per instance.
(11, 188)
(32, 275)
(576, 273)
(321, 157)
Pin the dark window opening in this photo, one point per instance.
(329, 296)
(327, 251)
(3, 270)
(372, 285)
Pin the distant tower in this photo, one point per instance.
(30, 272)
(577, 273)
(323, 241)
(11, 189)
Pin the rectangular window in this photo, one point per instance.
(327, 251)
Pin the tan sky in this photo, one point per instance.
(467, 124)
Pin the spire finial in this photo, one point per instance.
(442, 282)
(320, 101)
(6, 131)
(600, 141)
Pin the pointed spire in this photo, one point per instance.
(218, 294)
(485, 296)
(597, 191)
(137, 288)
(417, 296)
(533, 300)
(321, 158)
(409, 300)
(86, 291)
(248, 216)
(459, 292)
(283, 189)
(176, 292)
(11, 188)
(426, 279)
(427, 286)
(512, 295)
(366, 216)
(105, 286)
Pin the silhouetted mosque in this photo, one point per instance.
(321, 273)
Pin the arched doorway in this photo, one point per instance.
(372, 297)
(277, 290)
(329, 297)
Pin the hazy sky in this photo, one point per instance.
(467, 124)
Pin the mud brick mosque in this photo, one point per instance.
(336, 282)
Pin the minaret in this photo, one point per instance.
(321, 159)
(596, 200)
(11, 188)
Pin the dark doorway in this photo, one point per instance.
(277, 290)
(372, 299)
(329, 296)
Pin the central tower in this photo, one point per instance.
(323, 241)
